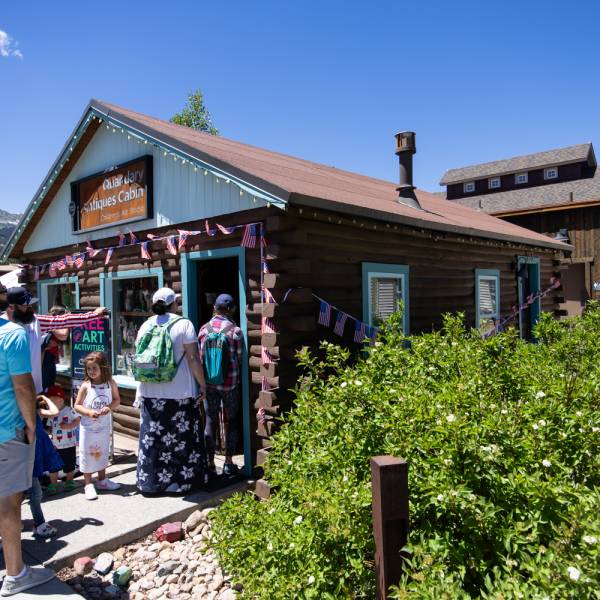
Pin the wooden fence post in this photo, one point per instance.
(389, 476)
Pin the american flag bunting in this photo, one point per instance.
(225, 230)
(109, 253)
(265, 267)
(249, 239)
(121, 239)
(264, 384)
(209, 231)
(79, 260)
(359, 332)
(267, 325)
(171, 246)
(69, 260)
(324, 313)
(152, 237)
(268, 296)
(36, 273)
(340, 323)
(266, 357)
(132, 238)
(145, 252)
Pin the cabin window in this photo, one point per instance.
(385, 291)
(60, 292)
(494, 183)
(551, 173)
(487, 298)
(468, 187)
(521, 178)
(128, 295)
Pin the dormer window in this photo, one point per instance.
(468, 187)
(521, 178)
(551, 173)
(494, 183)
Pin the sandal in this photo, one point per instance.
(69, 485)
(52, 489)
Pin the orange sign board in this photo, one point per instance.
(120, 195)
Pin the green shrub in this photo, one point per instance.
(501, 438)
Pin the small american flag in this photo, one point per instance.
(61, 264)
(90, 249)
(171, 247)
(225, 230)
(152, 237)
(36, 274)
(52, 270)
(265, 267)
(267, 296)
(267, 325)
(183, 236)
(249, 239)
(264, 384)
(209, 231)
(325, 313)
(263, 241)
(145, 252)
(340, 323)
(109, 253)
(121, 239)
(266, 357)
(261, 415)
(132, 238)
(43, 269)
(79, 260)
(69, 260)
(371, 333)
(359, 332)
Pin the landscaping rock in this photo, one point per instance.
(83, 565)
(167, 568)
(104, 563)
(122, 576)
(170, 532)
(195, 519)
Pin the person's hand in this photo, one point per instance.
(104, 410)
(101, 311)
(94, 414)
(30, 434)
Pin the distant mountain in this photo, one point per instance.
(8, 222)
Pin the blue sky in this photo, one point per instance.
(329, 81)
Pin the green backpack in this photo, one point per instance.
(154, 360)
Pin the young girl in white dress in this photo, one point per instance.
(97, 397)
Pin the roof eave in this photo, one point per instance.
(351, 209)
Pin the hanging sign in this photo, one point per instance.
(91, 337)
(120, 195)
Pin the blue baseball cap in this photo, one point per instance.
(19, 295)
(225, 300)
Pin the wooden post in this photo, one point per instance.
(389, 476)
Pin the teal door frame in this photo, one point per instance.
(189, 295)
(533, 267)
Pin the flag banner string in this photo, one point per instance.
(175, 243)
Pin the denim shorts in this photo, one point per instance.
(16, 465)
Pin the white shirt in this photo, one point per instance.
(183, 385)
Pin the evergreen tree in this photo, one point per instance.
(195, 114)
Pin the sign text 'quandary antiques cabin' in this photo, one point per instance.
(309, 252)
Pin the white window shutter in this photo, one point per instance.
(487, 297)
(386, 293)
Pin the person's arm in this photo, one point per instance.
(193, 359)
(239, 345)
(116, 399)
(71, 425)
(25, 395)
(68, 321)
(51, 410)
(79, 408)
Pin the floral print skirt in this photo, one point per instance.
(171, 453)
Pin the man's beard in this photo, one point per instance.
(23, 316)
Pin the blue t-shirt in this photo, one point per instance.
(14, 360)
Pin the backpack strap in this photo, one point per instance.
(168, 326)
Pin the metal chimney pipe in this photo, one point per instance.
(405, 148)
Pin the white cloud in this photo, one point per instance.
(8, 47)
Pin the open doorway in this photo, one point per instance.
(205, 275)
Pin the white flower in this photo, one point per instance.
(504, 411)
(357, 382)
(546, 463)
(535, 426)
(345, 478)
(590, 539)
(440, 497)
(447, 461)
(187, 472)
(540, 394)
(574, 573)
(344, 384)
(292, 546)
(492, 406)
(270, 547)
(271, 510)
(595, 429)
(450, 418)
(311, 580)
(298, 520)
(541, 423)
(486, 448)
(578, 413)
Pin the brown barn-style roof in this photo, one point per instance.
(301, 182)
(559, 156)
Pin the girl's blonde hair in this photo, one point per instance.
(100, 359)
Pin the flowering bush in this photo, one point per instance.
(501, 437)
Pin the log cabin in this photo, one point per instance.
(133, 203)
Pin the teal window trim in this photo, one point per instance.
(486, 274)
(371, 270)
(42, 290)
(106, 299)
(533, 263)
(189, 293)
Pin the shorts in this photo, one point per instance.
(69, 457)
(16, 465)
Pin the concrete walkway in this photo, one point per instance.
(114, 519)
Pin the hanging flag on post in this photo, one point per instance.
(359, 332)
(324, 313)
(109, 253)
(225, 230)
(171, 247)
(340, 323)
(145, 252)
(90, 249)
(249, 239)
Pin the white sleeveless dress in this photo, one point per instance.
(94, 435)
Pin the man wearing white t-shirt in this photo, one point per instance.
(171, 454)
